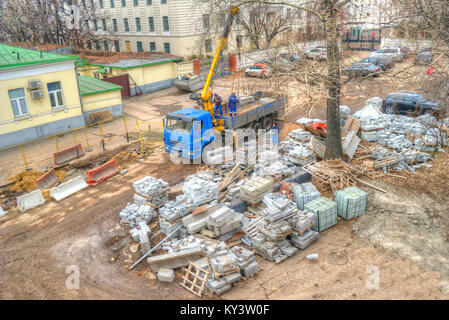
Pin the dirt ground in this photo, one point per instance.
(403, 234)
(84, 230)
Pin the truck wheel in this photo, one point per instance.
(206, 149)
(257, 126)
(267, 123)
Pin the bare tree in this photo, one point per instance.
(49, 21)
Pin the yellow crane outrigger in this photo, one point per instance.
(218, 58)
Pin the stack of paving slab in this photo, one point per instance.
(303, 235)
(255, 189)
(304, 193)
(296, 138)
(351, 202)
(325, 212)
(301, 155)
(171, 214)
(133, 214)
(155, 190)
(200, 188)
(224, 222)
(270, 240)
(246, 260)
(225, 268)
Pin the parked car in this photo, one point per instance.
(385, 64)
(362, 69)
(394, 54)
(404, 50)
(424, 56)
(319, 54)
(406, 102)
(293, 58)
(258, 70)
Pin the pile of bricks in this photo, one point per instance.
(325, 211)
(223, 222)
(133, 214)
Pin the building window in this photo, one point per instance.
(208, 45)
(139, 46)
(18, 102)
(101, 4)
(105, 28)
(106, 45)
(167, 47)
(56, 95)
(114, 23)
(205, 21)
(151, 24)
(112, 4)
(152, 46)
(149, 2)
(125, 22)
(117, 45)
(95, 25)
(166, 26)
(123, 3)
(163, 1)
(138, 25)
(136, 3)
(97, 45)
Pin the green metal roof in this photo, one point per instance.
(13, 57)
(89, 86)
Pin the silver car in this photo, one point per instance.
(395, 54)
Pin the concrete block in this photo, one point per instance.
(233, 277)
(139, 200)
(303, 241)
(30, 200)
(144, 241)
(135, 234)
(166, 275)
(251, 269)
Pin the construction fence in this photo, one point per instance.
(93, 140)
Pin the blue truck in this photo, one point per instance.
(189, 132)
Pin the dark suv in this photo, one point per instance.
(408, 102)
(383, 63)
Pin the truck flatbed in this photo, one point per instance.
(253, 112)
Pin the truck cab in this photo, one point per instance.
(187, 131)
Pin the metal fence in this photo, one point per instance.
(94, 139)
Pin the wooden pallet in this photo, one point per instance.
(352, 124)
(387, 161)
(195, 279)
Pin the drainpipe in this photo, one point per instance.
(79, 94)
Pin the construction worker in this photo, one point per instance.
(218, 110)
(275, 133)
(232, 103)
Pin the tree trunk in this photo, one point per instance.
(333, 85)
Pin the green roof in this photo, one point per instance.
(89, 86)
(13, 57)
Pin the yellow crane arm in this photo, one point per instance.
(218, 58)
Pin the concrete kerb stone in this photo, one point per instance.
(174, 260)
(30, 200)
